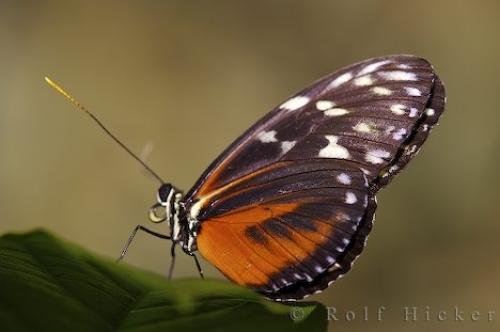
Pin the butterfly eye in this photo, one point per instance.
(165, 193)
(157, 213)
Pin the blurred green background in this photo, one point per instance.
(189, 76)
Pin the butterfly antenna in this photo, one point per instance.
(75, 102)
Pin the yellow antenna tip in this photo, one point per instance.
(59, 89)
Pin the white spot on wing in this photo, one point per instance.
(350, 198)
(411, 150)
(363, 81)
(413, 112)
(336, 112)
(295, 103)
(376, 156)
(324, 105)
(362, 127)
(344, 178)
(430, 112)
(381, 91)
(399, 134)
(287, 146)
(267, 136)
(333, 150)
(372, 67)
(413, 91)
(330, 259)
(398, 75)
(398, 109)
(319, 269)
(340, 80)
(393, 168)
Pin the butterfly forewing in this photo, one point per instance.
(287, 207)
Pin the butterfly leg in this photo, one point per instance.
(198, 265)
(132, 235)
(172, 262)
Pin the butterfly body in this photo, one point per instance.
(287, 207)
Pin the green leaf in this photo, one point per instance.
(51, 285)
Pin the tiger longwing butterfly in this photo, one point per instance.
(287, 207)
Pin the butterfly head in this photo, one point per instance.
(166, 206)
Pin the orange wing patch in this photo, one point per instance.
(284, 225)
(253, 246)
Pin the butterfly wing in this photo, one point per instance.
(286, 208)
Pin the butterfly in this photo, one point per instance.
(286, 209)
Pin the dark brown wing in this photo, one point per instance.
(368, 119)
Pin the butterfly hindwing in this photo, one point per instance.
(273, 234)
